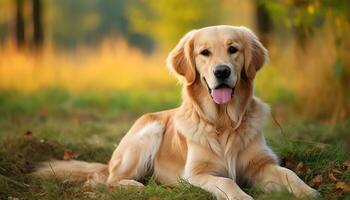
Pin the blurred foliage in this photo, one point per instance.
(95, 45)
(144, 23)
(167, 20)
(323, 20)
(5, 15)
(69, 23)
(95, 19)
(309, 14)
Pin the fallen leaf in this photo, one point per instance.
(303, 168)
(300, 166)
(342, 186)
(316, 181)
(154, 198)
(347, 164)
(308, 170)
(332, 177)
(69, 155)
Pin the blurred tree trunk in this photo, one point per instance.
(20, 25)
(38, 35)
(263, 23)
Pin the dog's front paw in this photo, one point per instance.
(126, 182)
(307, 192)
(241, 197)
(313, 193)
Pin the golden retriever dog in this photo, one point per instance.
(213, 140)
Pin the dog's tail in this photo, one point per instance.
(73, 170)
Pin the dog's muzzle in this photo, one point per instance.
(221, 94)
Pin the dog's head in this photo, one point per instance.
(221, 59)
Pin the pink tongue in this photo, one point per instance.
(221, 95)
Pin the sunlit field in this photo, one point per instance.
(113, 65)
(85, 101)
(289, 81)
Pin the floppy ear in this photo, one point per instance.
(255, 54)
(180, 60)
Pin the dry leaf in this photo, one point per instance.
(316, 181)
(154, 198)
(300, 166)
(308, 170)
(347, 164)
(69, 155)
(303, 168)
(342, 186)
(332, 177)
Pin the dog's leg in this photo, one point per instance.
(222, 188)
(201, 165)
(273, 177)
(134, 156)
(260, 165)
(126, 182)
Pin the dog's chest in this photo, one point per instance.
(219, 150)
(232, 144)
(219, 154)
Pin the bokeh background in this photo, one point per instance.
(119, 46)
(79, 72)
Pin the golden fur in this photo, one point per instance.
(212, 146)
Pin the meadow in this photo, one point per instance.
(79, 104)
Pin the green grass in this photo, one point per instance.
(40, 126)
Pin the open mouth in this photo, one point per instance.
(221, 94)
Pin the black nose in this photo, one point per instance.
(222, 72)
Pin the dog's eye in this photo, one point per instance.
(232, 50)
(205, 52)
